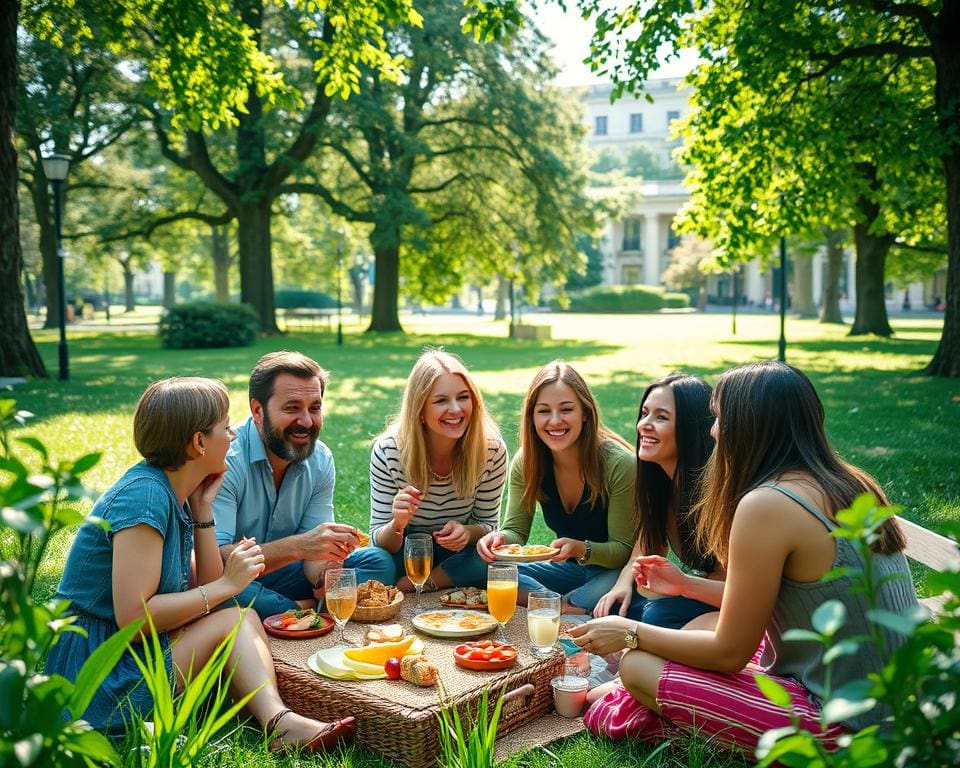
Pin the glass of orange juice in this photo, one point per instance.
(340, 594)
(502, 593)
(418, 561)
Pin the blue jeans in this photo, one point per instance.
(277, 592)
(670, 612)
(464, 568)
(580, 585)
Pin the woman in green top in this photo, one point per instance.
(582, 475)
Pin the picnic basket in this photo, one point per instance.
(399, 720)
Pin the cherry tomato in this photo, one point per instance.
(392, 668)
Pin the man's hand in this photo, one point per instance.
(453, 536)
(328, 541)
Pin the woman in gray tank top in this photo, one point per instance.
(773, 488)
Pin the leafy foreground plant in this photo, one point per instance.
(183, 724)
(919, 686)
(34, 507)
(469, 744)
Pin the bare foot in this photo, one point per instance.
(601, 690)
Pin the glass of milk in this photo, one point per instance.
(543, 621)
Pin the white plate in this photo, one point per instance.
(525, 558)
(456, 623)
(329, 663)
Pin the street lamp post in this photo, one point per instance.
(339, 294)
(55, 167)
(782, 349)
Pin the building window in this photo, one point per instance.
(631, 235)
(671, 116)
(636, 123)
(600, 125)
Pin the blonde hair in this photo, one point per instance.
(470, 452)
(595, 439)
(171, 412)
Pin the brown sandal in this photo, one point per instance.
(335, 734)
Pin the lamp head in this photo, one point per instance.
(56, 166)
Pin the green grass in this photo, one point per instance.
(881, 413)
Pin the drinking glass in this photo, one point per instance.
(502, 594)
(341, 597)
(543, 621)
(418, 561)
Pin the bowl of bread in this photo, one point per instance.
(376, 602)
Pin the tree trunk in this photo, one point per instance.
(18, 354)
(830, 304)
(946, 361)
(385, 315)
(503, 287)
(871, 316)
(129, 304)
(256, 266)
(803, 305)
(169, 289)
(220, 250)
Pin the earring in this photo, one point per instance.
(203, 451)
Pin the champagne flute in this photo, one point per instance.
(502, 594)
(341, 597)
(543, 621)
(418, 561)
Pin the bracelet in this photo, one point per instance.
(204, 524)
(206, 601)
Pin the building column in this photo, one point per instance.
(609, 250)
(754, 289)
(651, 249)
(818, 277)
(851, 302)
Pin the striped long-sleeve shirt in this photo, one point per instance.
(440, 503)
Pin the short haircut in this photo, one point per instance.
(171, 412)
(273, 364)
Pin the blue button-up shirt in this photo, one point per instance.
(248, 503)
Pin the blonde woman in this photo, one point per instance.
(582, 476)
(438, 468)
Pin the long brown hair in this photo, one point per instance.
(771, 421)
(594, 438)
(471, 451)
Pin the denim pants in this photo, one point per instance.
(464, 568)
(277, 591)
(580, 585)
(670, 612)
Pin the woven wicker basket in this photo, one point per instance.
(364, 613)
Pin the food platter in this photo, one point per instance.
(454, 623)
(272, 626)
(330, 662)
(485, 655)
(470, 598)
(524, 553)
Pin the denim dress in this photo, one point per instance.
(142, 496)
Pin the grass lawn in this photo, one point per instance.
(881, 414)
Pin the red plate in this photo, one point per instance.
(465, 655)
(271, 625)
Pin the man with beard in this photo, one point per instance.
(279, 491)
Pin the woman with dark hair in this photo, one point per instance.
(773, 489)
(160, 516)
(581, 475)
(673, 446)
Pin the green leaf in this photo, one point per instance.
(829, 617)
(97, 666)
(27, 521)
(773, 691)
(36, 444)
(845, 648)
(895, 621)
(91, 744)
(800, 635)
(12, 682)
(85, 462)
(839, 709)
(28, 749)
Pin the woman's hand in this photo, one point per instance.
(453, 536)
(243, 565)
(602, 636)
(405, 505)
(659, 575)
(489, 542)
(569, 549)
(619, 594)
(201, 500)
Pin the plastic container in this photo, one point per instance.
(569, 694)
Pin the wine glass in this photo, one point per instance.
(502, 594)
(418, 561)
(341, 597)
(543, 621)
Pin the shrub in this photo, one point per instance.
(206, 324)
(622, 298)
(291, 299)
